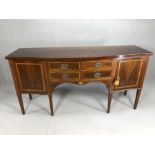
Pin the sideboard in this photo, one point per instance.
(40, 70)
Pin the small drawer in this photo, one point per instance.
(97, 75)
(65, 76)
(64, 65)
(101, 64)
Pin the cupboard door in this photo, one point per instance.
(129, 73)
(31, 76)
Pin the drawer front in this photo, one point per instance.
(101, 64)
(98, 75)
(65, 76)
(64, 65)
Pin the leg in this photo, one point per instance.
(137, 98)
(125, 92)
(21, 103)
(109, 101)
(30, 96)
(51, 105)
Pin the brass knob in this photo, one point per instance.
(65, 76)
(97, 75)
(64, 66)
(98, 65)
(116, 83)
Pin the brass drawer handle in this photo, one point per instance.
(64, 66)
(98, 65)
(116, 83)
(97, 75)
(65, 76)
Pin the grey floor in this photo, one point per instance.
(78, 110)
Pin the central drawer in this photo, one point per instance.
(84, 70)
(64, 76)
(64, 71)
(97, 75)
(64, 65)
(96, 65)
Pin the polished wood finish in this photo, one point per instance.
(40, 70)
(59, 53)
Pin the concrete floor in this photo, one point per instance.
(78, 110)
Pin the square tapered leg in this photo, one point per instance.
(51, 104)
(109, 101)
(137, 98)
(21, 103)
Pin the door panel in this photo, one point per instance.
(129, 72)
(31, 76)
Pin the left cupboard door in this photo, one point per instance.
(31, 76)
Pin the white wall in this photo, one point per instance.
(42, 33)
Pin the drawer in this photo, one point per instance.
(65, 76)
(64, 65)
(97, 75)
(100, 64)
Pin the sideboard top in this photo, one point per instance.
(77, 52)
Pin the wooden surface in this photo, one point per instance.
(77, 52)
(40, 70)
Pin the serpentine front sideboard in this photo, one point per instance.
(40, 70)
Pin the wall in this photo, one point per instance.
(45, 33)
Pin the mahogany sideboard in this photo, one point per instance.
(40, 70)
